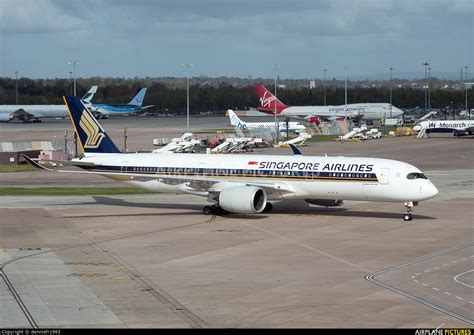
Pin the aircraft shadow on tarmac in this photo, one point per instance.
(289, 207)
(302, 208)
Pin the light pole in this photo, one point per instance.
(70, 77)
(325, 70)
(465, 84)
(345, 94)
(391, 69)
(16, 86)
(187, 66)
(74, 63)
(426, 92)
(275, 67)
(429, 90)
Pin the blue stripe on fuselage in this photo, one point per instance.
(119, 108)
(349, 176)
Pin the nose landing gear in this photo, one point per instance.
(408, 216)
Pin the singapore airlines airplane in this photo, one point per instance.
(236, 122)
(367, 111)
(247, 183)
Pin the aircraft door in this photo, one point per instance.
(124, 166)
(384, 176)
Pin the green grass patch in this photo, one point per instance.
(70, 191)
(322, 138)
(16, 168)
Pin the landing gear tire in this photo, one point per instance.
(214, 210)
(219, 211)
(268, 207)
(207, 210)
(409, 205)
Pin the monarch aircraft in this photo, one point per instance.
(247, 183)
(456, 127)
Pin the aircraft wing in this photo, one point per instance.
(5, 116)
(21, 112)
(212, 184)
(100, 112)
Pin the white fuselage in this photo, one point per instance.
(10, 112)
(298, 177)
(367, 111)
(445, 125)
(292, 126)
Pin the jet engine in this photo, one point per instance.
(243, 199)
(313, 119)
(325, 202)
(5, 117)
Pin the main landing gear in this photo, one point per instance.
(408, 216)
(214, 210)
(219, 211)
(268, 207)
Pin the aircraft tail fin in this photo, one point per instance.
(138, 99)
(92, 137)
(235, 121)
(267, 100)
(90, 94)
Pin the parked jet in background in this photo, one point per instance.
(90, 94)
(456, 127)
(103, 111)
(34, 113)
(246, 183)
(293, 127)
(365, 111)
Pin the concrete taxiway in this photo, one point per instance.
(156, 261)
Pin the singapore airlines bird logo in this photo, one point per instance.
(94, 137)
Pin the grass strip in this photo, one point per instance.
(16, 168)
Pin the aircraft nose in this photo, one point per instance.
(431, 191)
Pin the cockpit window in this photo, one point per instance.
(416, 175)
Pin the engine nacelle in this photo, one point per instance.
(243, 199)
(314, 119)
(459, 132)
(325, 202)
(5, 117)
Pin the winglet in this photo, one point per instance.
(34, 163)
(296, 151)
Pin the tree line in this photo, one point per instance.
(216, 98)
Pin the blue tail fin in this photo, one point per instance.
(138, 99)
(89, 132)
